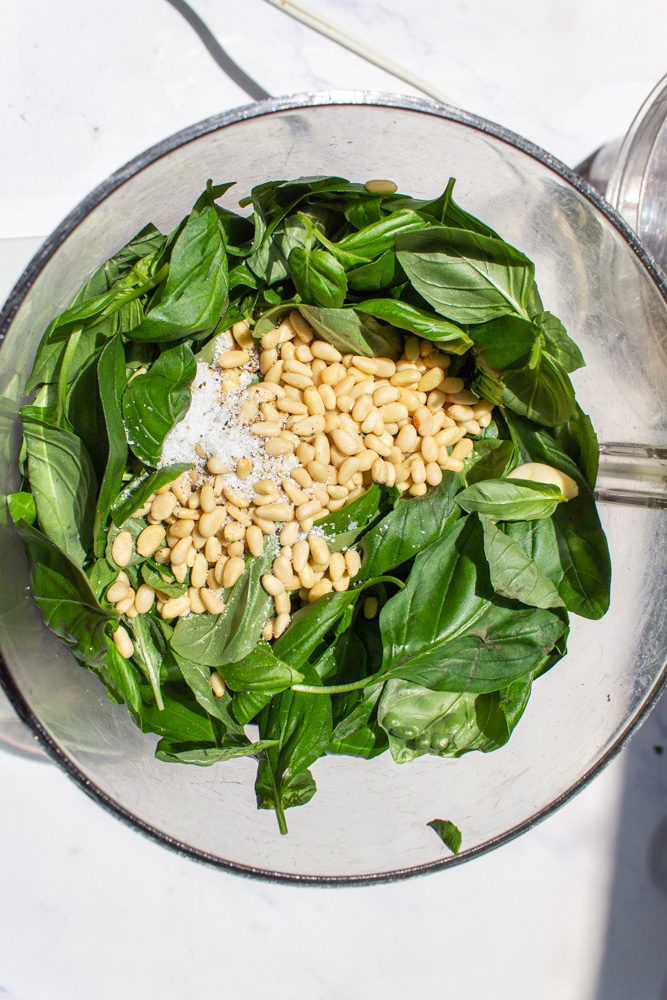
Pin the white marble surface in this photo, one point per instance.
(574, 910)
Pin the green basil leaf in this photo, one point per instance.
(302, 725)
(448, 832)
(157, 581)
(448, 631)
(375, 239)
(543, 394)
(514, 574)
(466, 277)
(577, 438)
(22, 505)
(342, 528)
(182, 719)
(65, 598)
(135, 494)
(228, 637)
(318, 277)
(504, 345)
(63, 486)
(309, 625)
(147, 654)
(194, 295)
(409, 528)
(581, 544)
(511, 500)
(154, 402)
(353, 334)
(385, 272)
(558, 344)
(111, 383)
(259, 671)
(198, 679)
(192, 753)
(406, 317)
(492, 458)
(122, 676)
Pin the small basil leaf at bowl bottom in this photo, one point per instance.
(448, 832)
(182, 719)
(510, 500)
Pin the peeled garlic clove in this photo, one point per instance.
(539, 473)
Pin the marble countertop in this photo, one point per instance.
(574, 910)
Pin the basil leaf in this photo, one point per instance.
(182, 719)
(504, 345)
(310, 624)
(259, 671)
(192, 753)
(194, 295)
(385, 272)
(122, 677)
(147, 654)
(514, 574)
(409, 528)
(406, 317)
(511, 500)
(65, 598)
(228, 637)
(577, 438)
(543, 393)
(155, 579)
(492, 459)
(558, 344)
(582, 548)
(154, 402)
(448, 832)
(448, 631)
(353, 334)
(111, 383)
(22, 506)
(318, 277)
(135, 494)
(302, 725)
(466, 277)
(198, 679)
(63, 486)
(376, 238)
(342, 528)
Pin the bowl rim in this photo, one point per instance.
(52, 243)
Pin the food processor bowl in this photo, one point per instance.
(369, 819)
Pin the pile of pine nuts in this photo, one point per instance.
(350, 421)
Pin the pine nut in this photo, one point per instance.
(180, 571)
(123, 643)
(319, 590)
(272, 585)
(270, 339)
(286, 405)
(368, 366)
(267, 631)
(218, 686)
(337, 492)
(433, 474)
(347, 442)
(175, 606)
(296, 380)
(462, 450)
(185, 514)
(337, 566)
(320, 493)
(319, 550)
(370, 607)
(482, 408)
(308, 426)
(302, 477)
(406, 439)
(121, 550)
(328, 396)
(417, 489)
(317, 471)
(362, 408)
(282, 571)
(435, 400)
(233, 532)
(376, 443)
(429, 449)
(472, 427)
(163, 506)
(212, 549)
(243, 468)
(255, 540)
(182, 489)
(352, 562)
(276, 512)
(431, 380)
(295, 494)
(231, 571)
(238, 515)
(287, 352)
(118, 591)
(446, 437)
(265, 428)
(451, 384)
(300, 326)
(267, 359)
(233, 359)
(460, 413)
(274, 373)
(405, 377)
(327, 352)
(197, 607)
(485, 420)
(207, 499)
(199, 570)
(307, 576)
(216, 466)
(305, 453)
(379, 471)
(289, 533)
(143, 599)
(385, 394)
(348, 469)
(210, 524)
(308, 510)
(436, 359)
(128, 602)
(300, 554)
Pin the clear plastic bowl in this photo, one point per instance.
(368, 819)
